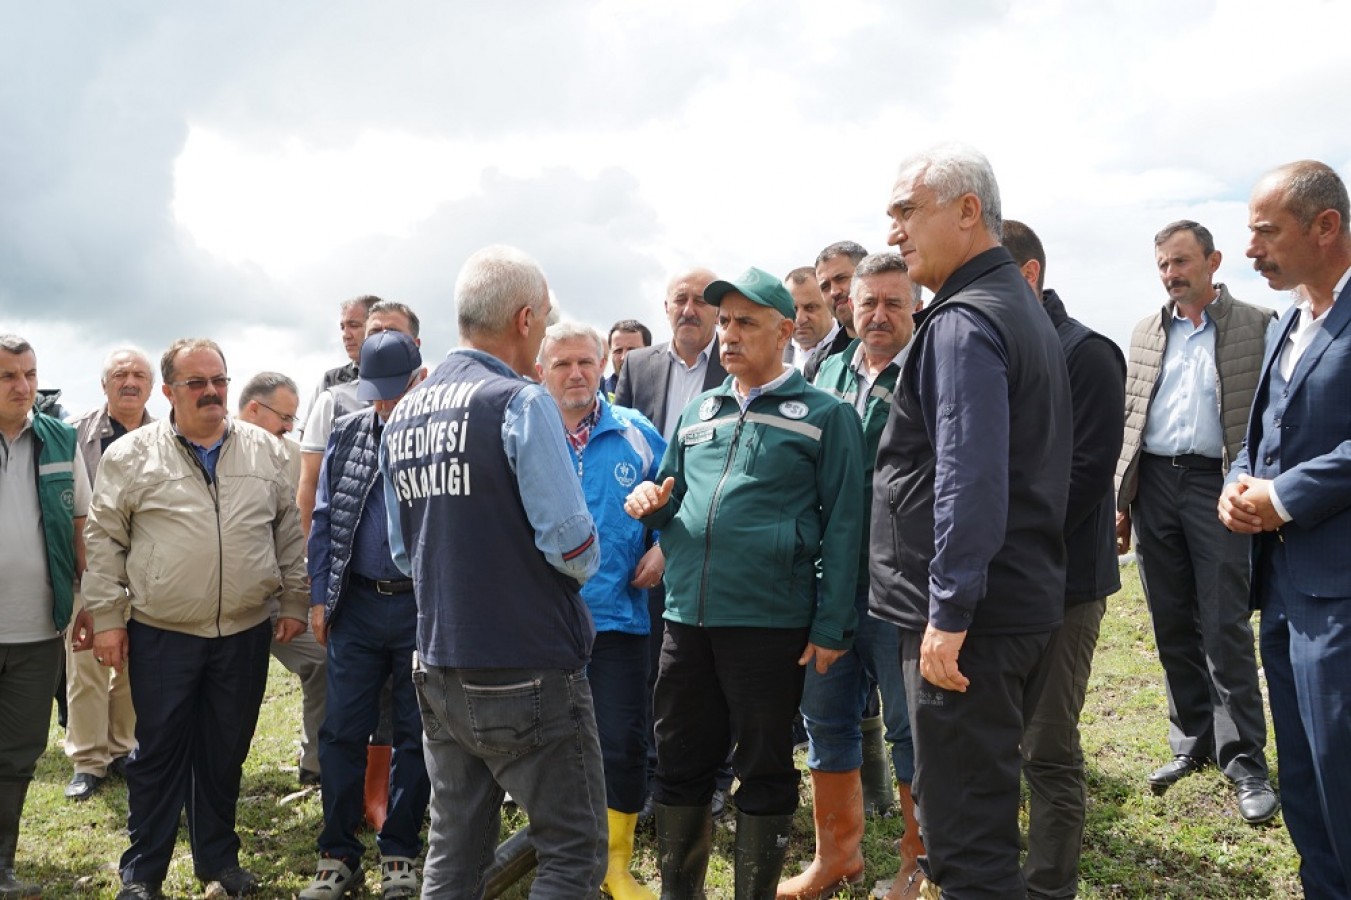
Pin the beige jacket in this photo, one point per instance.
(1240, 340)
(188, 556)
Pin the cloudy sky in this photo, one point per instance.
(234, 170)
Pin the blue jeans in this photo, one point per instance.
(618, 676)
(532, 732)
(372, 639)
(833, 703)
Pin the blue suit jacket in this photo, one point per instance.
(1312, 471)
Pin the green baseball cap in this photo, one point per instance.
(757, 286)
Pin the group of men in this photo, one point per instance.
(821, 486)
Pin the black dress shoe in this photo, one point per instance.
(309, 778)
(139, 890)
(236, 881)
(82, 786)
(118, 767)
(1257, 801)
(1169, 774)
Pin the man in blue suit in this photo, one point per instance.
(1291, 487)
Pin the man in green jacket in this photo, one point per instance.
(760, 508)
(44, 495)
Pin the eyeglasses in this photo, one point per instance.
(289, 420)
(220, 382)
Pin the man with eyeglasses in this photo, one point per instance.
(192, 530)
(270, 401)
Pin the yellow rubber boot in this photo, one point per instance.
(619, 881)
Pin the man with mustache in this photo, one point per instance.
(1290, 489)
(1189, 384)
(101, 723)
(883, 303)
(192, 528)
(759, 500)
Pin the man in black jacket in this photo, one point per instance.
(1053, 762)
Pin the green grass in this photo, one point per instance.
(1190, 843)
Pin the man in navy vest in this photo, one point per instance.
(482, 494)
(362, 609)
(44, 495)
(1291, 487)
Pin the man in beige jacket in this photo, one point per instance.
(193, 527)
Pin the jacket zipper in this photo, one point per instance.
(211, 488)
(712, 511)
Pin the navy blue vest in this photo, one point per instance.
(486, 596)
(352, 469)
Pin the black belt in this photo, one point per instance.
(1190, 461)
(401, 586)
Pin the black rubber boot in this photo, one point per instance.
(12, 793)
(878, 797)
(761, 844)
(684, 839)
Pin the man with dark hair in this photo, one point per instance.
(759, 503)
(192, 529)
(362, 609)
(44, 495)
(1194, 365)
(834, 275)
(1290, 488)
(101, 723)
(968, 554)
(625, 335)
(1053, 762)
(476, 469)
(814, 326)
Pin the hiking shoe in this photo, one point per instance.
(333, 879)
(398, 878)
(234, 880)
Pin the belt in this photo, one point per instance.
(1190, 461)
(401, 586)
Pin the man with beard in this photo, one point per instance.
(101, 723)
(192, 529)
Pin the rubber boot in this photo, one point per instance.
(837, 810)
(377, 784)
(12, 793)
(761, 844)
(619, 881)
(684, 839)
(878, 799)
(909, 882)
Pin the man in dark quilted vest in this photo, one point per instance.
(362, 609)
(486, 515)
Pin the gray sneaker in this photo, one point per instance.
(333, 879)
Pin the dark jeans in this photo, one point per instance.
(373, 639)
(1306, 652)
(532, 732)
(967, 763)
(28, 674)
(1053, 761)
(723, 685)
(618, 676)
(1195, 576)
(197, 703)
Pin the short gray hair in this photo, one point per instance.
(263, 385)
(110, 362)
(12, 343)
(880, 264)
(565, 331)
(493, 285)
(953, 169)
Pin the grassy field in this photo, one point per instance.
(1190, 843)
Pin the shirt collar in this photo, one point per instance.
(860, 356)
(834, 330)
(745, 399)
(704, 355)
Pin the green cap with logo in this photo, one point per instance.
(757, 286)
